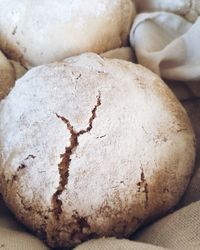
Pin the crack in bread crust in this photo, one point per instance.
(143, 187)
(66, 157)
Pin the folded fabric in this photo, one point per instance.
(112, 243)
(180, 230)
(168, 45)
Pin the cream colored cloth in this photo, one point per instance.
(112, 243)
(180, 230)
(168, 45)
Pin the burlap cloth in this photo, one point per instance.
(170, 46)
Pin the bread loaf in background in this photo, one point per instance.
(37, 32)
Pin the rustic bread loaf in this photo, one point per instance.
(36, 32)
(92, 147)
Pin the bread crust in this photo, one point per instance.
(51, 31)
(92, 147)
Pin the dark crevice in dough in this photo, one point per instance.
(83, 230)
(143, 187)
(78, 77)
(41, 232)
(28, 208)
(30, 156)
(14, 30)
(22, 166)
(100, 137)
(64, 167)
(66, 157)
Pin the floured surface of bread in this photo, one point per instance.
(35, 32)
(92, 147)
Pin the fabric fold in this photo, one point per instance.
(168, 45)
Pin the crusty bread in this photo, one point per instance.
(36, 32)
(92, 147)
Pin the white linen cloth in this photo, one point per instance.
(167, 44)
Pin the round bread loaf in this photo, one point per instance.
(35, 32)
(92, 147)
